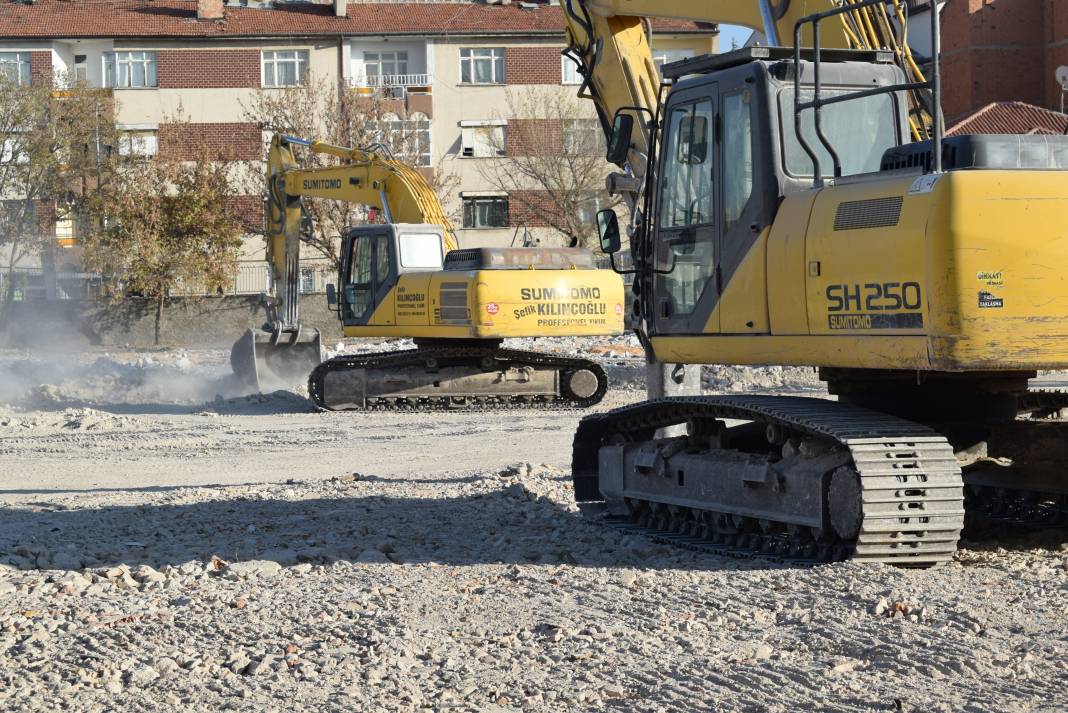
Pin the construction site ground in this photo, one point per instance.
(168, 543)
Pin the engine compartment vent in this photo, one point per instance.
(869, 213)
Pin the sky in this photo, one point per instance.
(732, 32)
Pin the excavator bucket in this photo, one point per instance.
(275, 359)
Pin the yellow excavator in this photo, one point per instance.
(784, 212)
(407, 278)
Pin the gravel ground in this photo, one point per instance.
(170, 544)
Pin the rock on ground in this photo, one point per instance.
(187, 557)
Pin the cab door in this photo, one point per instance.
(686, 289)
(369, 274)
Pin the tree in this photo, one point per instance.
(319, 110)
(164, 224)
(551, 163)
(54, 156)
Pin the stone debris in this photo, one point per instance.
(438, 562)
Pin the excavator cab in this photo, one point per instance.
(373, 258)
(730, 153)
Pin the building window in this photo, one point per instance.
(569, 71)
(662, 57)
(384, 69)
(486, 212)
(482, 65)
(482, 139)
(81, 68)
(583, 137)
(129, 69)
(138, 143)
(307, 280)
(13, 151)
(66, 236)
(15, 67)
(284, 68)
(408, 138)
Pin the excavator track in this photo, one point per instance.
(899, 479)
(579, 383)
(1015, 502)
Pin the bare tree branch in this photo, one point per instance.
(552, 162)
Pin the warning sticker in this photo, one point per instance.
(989, 301)
(493, 308)
(924, 184)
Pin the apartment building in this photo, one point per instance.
(1002, 51)
(451, 64)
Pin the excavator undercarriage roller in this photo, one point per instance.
(801, 478)
(812, 479)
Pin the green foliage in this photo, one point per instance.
(54, 155)
(164, 225)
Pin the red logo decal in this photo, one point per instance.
(619, 308)
(493, 308)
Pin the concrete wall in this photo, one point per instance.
(188, 322)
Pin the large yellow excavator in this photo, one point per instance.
(406, 278)
(783, 212)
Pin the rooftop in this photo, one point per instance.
(1009, 118)
(57, 19)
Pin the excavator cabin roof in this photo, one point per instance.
(706, 63)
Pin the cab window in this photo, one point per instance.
(737, 147)
(860, 130)
(383, 263)
(420, 251)
(359, 291)
(686, 196)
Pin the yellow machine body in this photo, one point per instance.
(499, 304)
(797, 204)
(971, 277)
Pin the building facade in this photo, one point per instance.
(1002, 51)
(451, 65)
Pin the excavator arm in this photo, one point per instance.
(367, 177)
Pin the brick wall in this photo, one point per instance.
(223, 141)
(1056, 39)
(535, 137)
(529, 208)
(41, 67)
(45, 214)
(247, 211)
(532, 65)
(1002, 50)
(179, 69)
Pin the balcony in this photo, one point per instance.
(395, 86)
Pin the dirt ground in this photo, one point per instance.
(168, 543)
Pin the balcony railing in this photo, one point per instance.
(395, 86)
